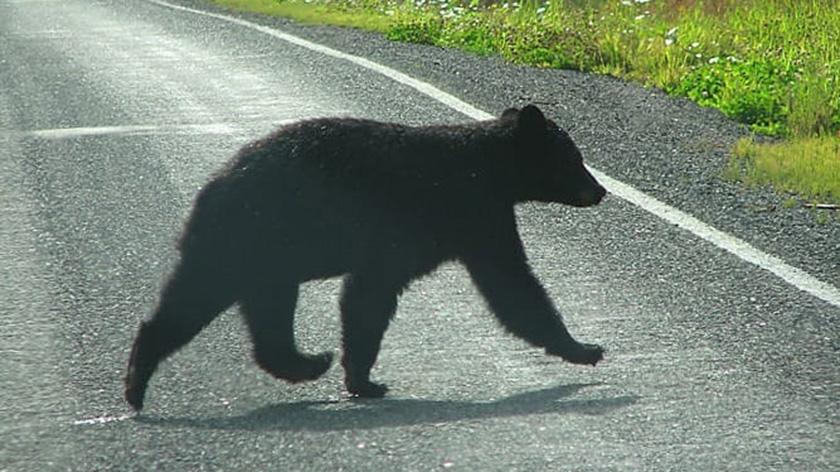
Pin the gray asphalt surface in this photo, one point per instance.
(112, 115)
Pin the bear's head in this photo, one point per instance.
(548, 167)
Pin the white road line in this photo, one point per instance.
(102, 420)
(145, 130)
(740, 248)
(133, 130)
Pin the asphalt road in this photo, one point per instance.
(113, 113)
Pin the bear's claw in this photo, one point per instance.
(295, 367)
(135, 390)
(581, 353)
(366, 389)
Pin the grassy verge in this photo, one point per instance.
(790, 166)
(351, 14)
(773, 65)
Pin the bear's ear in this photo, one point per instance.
(510, 113)
(531, 120)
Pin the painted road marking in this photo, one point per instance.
(133, 130)
(740, 248)
(102, 420)
(146, 130)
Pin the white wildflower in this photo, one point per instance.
(671, 36)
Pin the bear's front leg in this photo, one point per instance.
(367, 305)
(500, 271)
(575, 352)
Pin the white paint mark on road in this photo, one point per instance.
(133, 130)
(101, 420)
(422, 87)
(145, 130)
(792, 275)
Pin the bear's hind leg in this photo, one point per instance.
(367, 306)
(270, 313)
(191, 299)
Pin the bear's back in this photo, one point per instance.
(332, 193)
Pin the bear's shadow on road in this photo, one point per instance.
(356, 414)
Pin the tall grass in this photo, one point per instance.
(773, 65)
(790, 166)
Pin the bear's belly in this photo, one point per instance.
(324, 254)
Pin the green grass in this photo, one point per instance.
(360, 14)
(773, 65)
(790, 166)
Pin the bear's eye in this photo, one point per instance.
(563, 134)
(555, 130)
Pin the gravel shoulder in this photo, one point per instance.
(667, 147)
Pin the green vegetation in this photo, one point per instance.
(773, 65)
(790, 166)
(352, 14)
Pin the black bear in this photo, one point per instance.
(381, 204)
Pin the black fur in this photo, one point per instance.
(381, 204)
